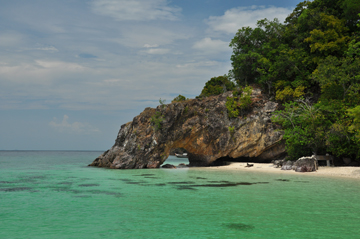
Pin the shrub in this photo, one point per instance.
(179, 98)
(217, 86)
(240, 101)
(157, 119)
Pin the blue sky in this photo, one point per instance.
(73, 71)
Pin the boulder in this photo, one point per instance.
(202, 127)
(182, 165)
(168, 166)
(305, 164)
(288, 165)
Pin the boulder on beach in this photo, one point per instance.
(288, 165)
(305, 164)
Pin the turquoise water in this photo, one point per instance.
(53, 194)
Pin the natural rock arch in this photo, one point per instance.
(201, 127)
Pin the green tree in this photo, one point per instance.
(355, 126)
(252, 51)
(343, 73)
(217, 86)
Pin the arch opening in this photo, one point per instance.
(177, 159)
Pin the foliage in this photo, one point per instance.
(314, 55)
(320, 128)
(179, 98)
(217, 86)
(231, 129)
(240, 102)
(355, 126)
(343, 73)
(157, 119)
(162, 102)
(303, 128)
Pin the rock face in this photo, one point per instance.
(201, 127)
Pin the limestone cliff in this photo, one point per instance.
(202, 127)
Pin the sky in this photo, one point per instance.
(73, 71)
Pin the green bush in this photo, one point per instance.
(179, 98)
(217, 86)
(240, 102)
(157, 120)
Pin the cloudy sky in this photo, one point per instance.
(73, 71)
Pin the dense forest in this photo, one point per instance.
(310, 64)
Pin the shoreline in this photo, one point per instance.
(324, 171)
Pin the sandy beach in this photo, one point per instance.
(347, 172)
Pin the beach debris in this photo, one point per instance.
(249, 165)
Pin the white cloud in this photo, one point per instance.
(138, 10)
(158, 51)
(211, 46)
(59, 65)
(150, 46)
(75, 127)
(236, 18)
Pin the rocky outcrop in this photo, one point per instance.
(201, 127)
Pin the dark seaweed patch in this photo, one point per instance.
(181, 182)
(134, 182)
(125, 179)
(239, 226)
(67, 190)
(151, 177)
(36, 177)
(89, 185)
(145, 174)
(105, 192)
(200, 178)
(160, 184)
(222, 185)
(65, 183)
(283, 180)
(185, 188)
(17, 189)
(5, 182)
(262, 182)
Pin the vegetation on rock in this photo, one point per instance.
(217, 86)
(239, 102)
(179, 98)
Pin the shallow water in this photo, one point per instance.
(53, 194)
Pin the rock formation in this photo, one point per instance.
(201, 127)
(305, 164)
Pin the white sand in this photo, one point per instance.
(348, 172)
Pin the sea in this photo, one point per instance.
(54, 194)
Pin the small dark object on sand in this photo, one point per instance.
(249, 165)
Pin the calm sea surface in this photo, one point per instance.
(53, 194)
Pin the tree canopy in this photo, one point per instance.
(311, 65)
